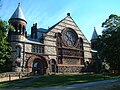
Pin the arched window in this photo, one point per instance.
(23, 30)
(19, 29)
(18, 52)
(15, 28)
(81, 43)
(81, 51)
(53, 65)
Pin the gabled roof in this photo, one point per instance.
(55, 25)
(94, 35)
(18, 13)
(68, 15)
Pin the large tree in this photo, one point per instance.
(109, 42)
(4, 47)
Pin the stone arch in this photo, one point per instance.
(42, 64)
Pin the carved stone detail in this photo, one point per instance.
(69, 69)
(71, 61)
(69, 55)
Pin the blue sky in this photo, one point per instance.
(86, 13)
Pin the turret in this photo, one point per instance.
(18, 21)
(17, 39)
(96, 61)
(94, 39)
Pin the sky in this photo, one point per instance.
(87, 14)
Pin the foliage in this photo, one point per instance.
(4, 46)
(109, 42)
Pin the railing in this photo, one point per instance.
(13, 76)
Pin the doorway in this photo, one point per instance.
(37, 67)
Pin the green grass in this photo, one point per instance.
(9, 83)
(59, 80)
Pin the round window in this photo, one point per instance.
(69, 36)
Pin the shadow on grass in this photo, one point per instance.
(59, 80)
(6, 84)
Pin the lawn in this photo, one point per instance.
(59, 80)
(9, 83)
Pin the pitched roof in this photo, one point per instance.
(68, 15)
(54, 25)
(18, 13)
(94, 35)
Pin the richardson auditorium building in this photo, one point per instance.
(62, 48)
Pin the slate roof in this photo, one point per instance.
(33, 41)
(42, 30)
(18, 13)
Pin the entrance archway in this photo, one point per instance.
(37, 65)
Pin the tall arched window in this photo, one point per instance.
(23, 31)
(15, 27)
(18, 52)
(81, 43)
(81, 51)
(19, 29)
(53, 65)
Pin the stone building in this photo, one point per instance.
(62, 48)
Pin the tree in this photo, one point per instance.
(4, 46)
(109, 41)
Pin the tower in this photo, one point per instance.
(94, 39)
(94, 51)
(18, 21)
(17, 38)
